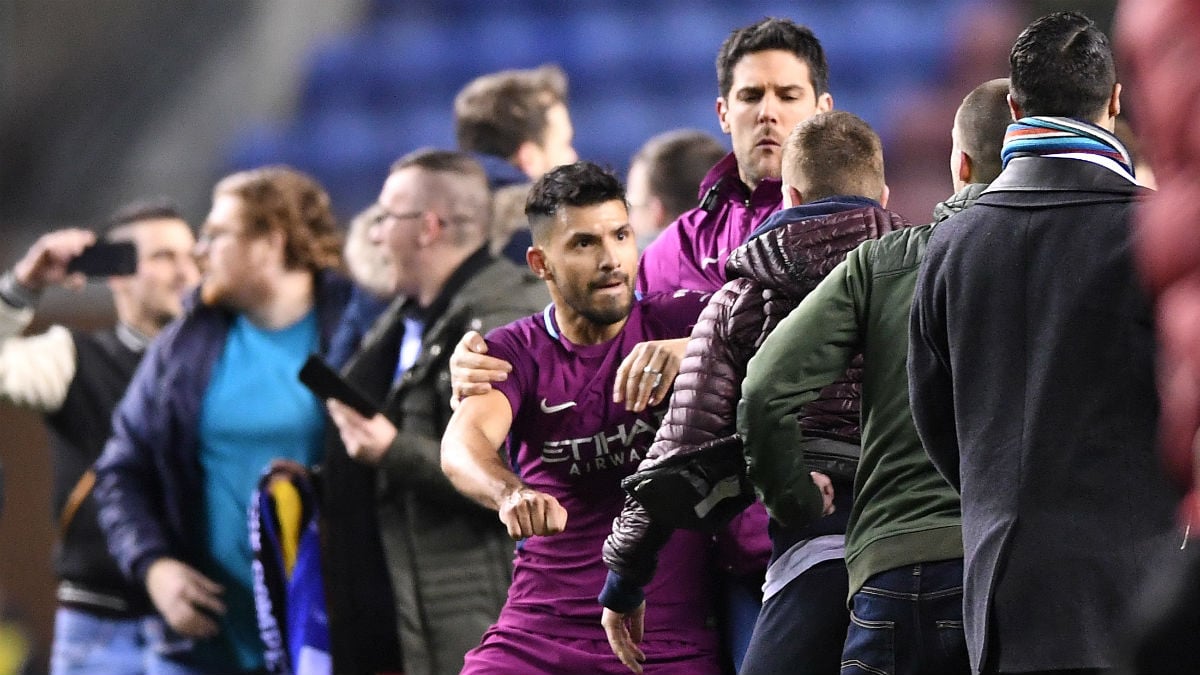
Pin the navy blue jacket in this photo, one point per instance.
(149, 481)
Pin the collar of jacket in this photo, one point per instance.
(723, 183)
(500, 172)
(794, 257)
(133, 339)
(468, 269)
(1038, 182)
(958, 201)
(814, 209)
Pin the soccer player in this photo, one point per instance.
(570, 445)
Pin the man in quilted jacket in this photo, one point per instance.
(835, 201)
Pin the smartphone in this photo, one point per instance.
(106, 259)
(325, 382)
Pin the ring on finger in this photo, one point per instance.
(649, 370)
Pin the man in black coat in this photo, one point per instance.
(1031, 367)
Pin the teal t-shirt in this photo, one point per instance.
(254, 411)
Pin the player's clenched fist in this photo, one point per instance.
(527, 512)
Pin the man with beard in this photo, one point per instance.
(75, 379)
(771, 75)
(215, 400)
(569, 445)
(448, 562)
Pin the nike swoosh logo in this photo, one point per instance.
(705, 262)
(556, 408)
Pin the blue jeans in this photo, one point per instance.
(908, 620)
(801, 629)
(90, 644)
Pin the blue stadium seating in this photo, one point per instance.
(636, 68)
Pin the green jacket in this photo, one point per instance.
(904, 511)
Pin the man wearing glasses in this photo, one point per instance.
(449, 560)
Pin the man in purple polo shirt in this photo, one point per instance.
(558, 488)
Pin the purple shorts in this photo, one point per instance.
(507, 650)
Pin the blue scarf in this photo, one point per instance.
(288, 589)
(1041, 136)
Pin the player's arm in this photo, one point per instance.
(472, 461)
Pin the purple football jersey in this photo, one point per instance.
(570, 440)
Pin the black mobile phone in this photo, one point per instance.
(106, 259)
(325, 382)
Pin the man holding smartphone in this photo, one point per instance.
(213, 403)
(448, 561)
(75, 379)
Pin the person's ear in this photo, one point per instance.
(825, 102)
(722, 113)
(277, 241)
(1014, 109)
(1114, 102)
(965, 167)
(535, 257)
(795, 196)
(431, 228)
(117, 285)
(658, 213)
(530, 159)
(883, 196)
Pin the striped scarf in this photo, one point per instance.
(1042, 136)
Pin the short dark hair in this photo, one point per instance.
(280, 198)
(834, 153)
(495, 113)
(1062, 66)
(156, 208)
(981, 121)
(578, 184)
(772, 33)
(676, 162)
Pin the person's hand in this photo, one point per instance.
(527, 512)
(624, 632)
(826, 487)
(45, 263)
(472, 371)
(646, 375)
(366, 440)
(187, 599)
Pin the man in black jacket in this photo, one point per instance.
(1031, 370)
(75, 378)
(449, 561)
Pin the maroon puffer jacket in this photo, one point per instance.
(770, 275)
